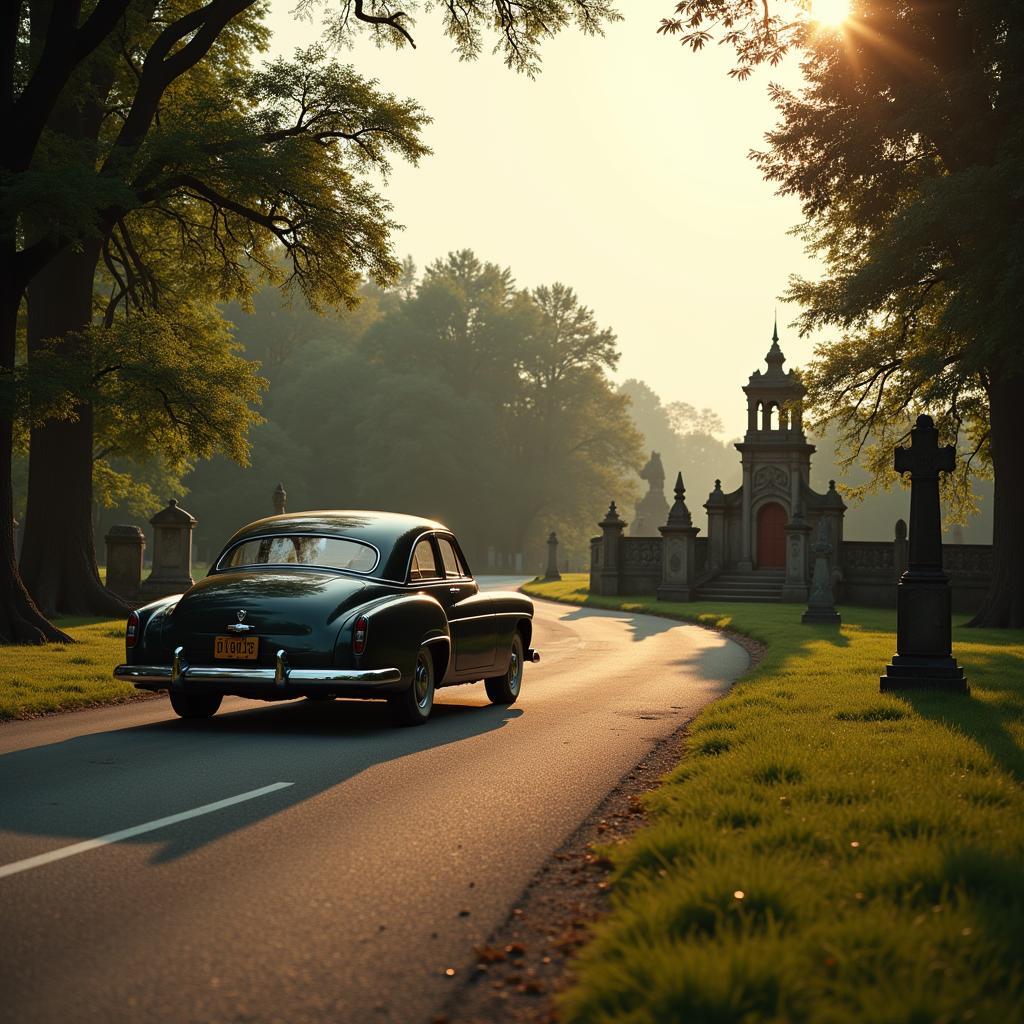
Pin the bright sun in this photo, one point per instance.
(830, 12)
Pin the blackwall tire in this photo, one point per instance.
(413, 705)
(505, 689)
(195, 705)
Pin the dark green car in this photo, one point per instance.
(332, 604)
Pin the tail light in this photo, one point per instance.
(359, 635)
(131, 634)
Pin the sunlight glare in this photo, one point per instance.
(831, 13)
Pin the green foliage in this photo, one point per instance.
(466, 399)
(823, 853)
(906, 170)
(686, 439)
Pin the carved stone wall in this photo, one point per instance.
(640, 572)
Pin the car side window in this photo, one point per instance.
(453, 565)
(424, 564)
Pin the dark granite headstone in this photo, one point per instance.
(924, 632)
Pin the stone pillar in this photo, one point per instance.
(125, 545)
(899, 549)
(280, 500)
(607, 575)
(552, 573)
(821, 605)
(172, 552)
(797, 535)
(746, 562)
(678, 550)
(751, 416)
(924, 630)
(715, 507)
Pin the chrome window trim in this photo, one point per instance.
(440, 579)
(218, 567)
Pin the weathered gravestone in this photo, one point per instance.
(125, 545)
(172, 552)
(552, 573)
(821, 605)
(924, 631)
(280, 500)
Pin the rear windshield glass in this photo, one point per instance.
(331, 552)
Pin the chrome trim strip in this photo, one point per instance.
(180, 673)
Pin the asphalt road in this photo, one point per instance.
(380, 859)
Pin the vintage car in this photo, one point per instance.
(332, 604)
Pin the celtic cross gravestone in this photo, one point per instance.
(924, 635)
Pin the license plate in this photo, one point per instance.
(238, 648)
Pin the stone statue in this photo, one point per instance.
(821, 605)
(652, 509)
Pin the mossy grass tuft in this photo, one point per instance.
(35, 680)
(823, 852)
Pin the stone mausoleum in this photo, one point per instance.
(759, 537)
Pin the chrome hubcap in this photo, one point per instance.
(421, 682)
(515, 671)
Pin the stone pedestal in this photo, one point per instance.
(821, 607)
(924, 632)
(552, 573)
(797, 534)
(678, 551)
(125, 545)
(172, 552)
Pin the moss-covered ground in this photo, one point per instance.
(823, 853)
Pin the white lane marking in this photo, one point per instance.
(136, 830)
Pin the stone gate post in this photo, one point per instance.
(604, 577)
(678, 550)
(552, 573)
(797, 535)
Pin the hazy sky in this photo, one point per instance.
(621, 170)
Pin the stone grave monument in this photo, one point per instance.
(552, 573)
(821, 605)
(125, 545)
(652, 508)
(924, 632)
(678, 550)
(172, 552)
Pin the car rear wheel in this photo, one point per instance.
(413, 705)
(505, 689)
(195, 705)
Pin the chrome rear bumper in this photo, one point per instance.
(278, 681)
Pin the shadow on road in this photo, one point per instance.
(640, 626)
(103, 782)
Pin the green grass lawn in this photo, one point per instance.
(823, 853)
(59, 677)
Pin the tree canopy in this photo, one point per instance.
(905, 146)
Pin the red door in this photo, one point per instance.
(771, 537)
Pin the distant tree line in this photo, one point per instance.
(458, 396)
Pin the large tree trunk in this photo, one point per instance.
(58, 557)
(20, 619)
(1004, 604)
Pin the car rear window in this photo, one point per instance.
(330, 552)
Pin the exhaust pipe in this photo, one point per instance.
(532, 655)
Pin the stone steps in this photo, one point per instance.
(759, 585)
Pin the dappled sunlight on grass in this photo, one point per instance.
(877, 839)
(56, 677)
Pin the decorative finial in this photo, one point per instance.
(775, 333)
(718, 485)
(679, 514)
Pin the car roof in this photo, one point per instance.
(392, 533)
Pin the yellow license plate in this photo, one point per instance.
(238, 648)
